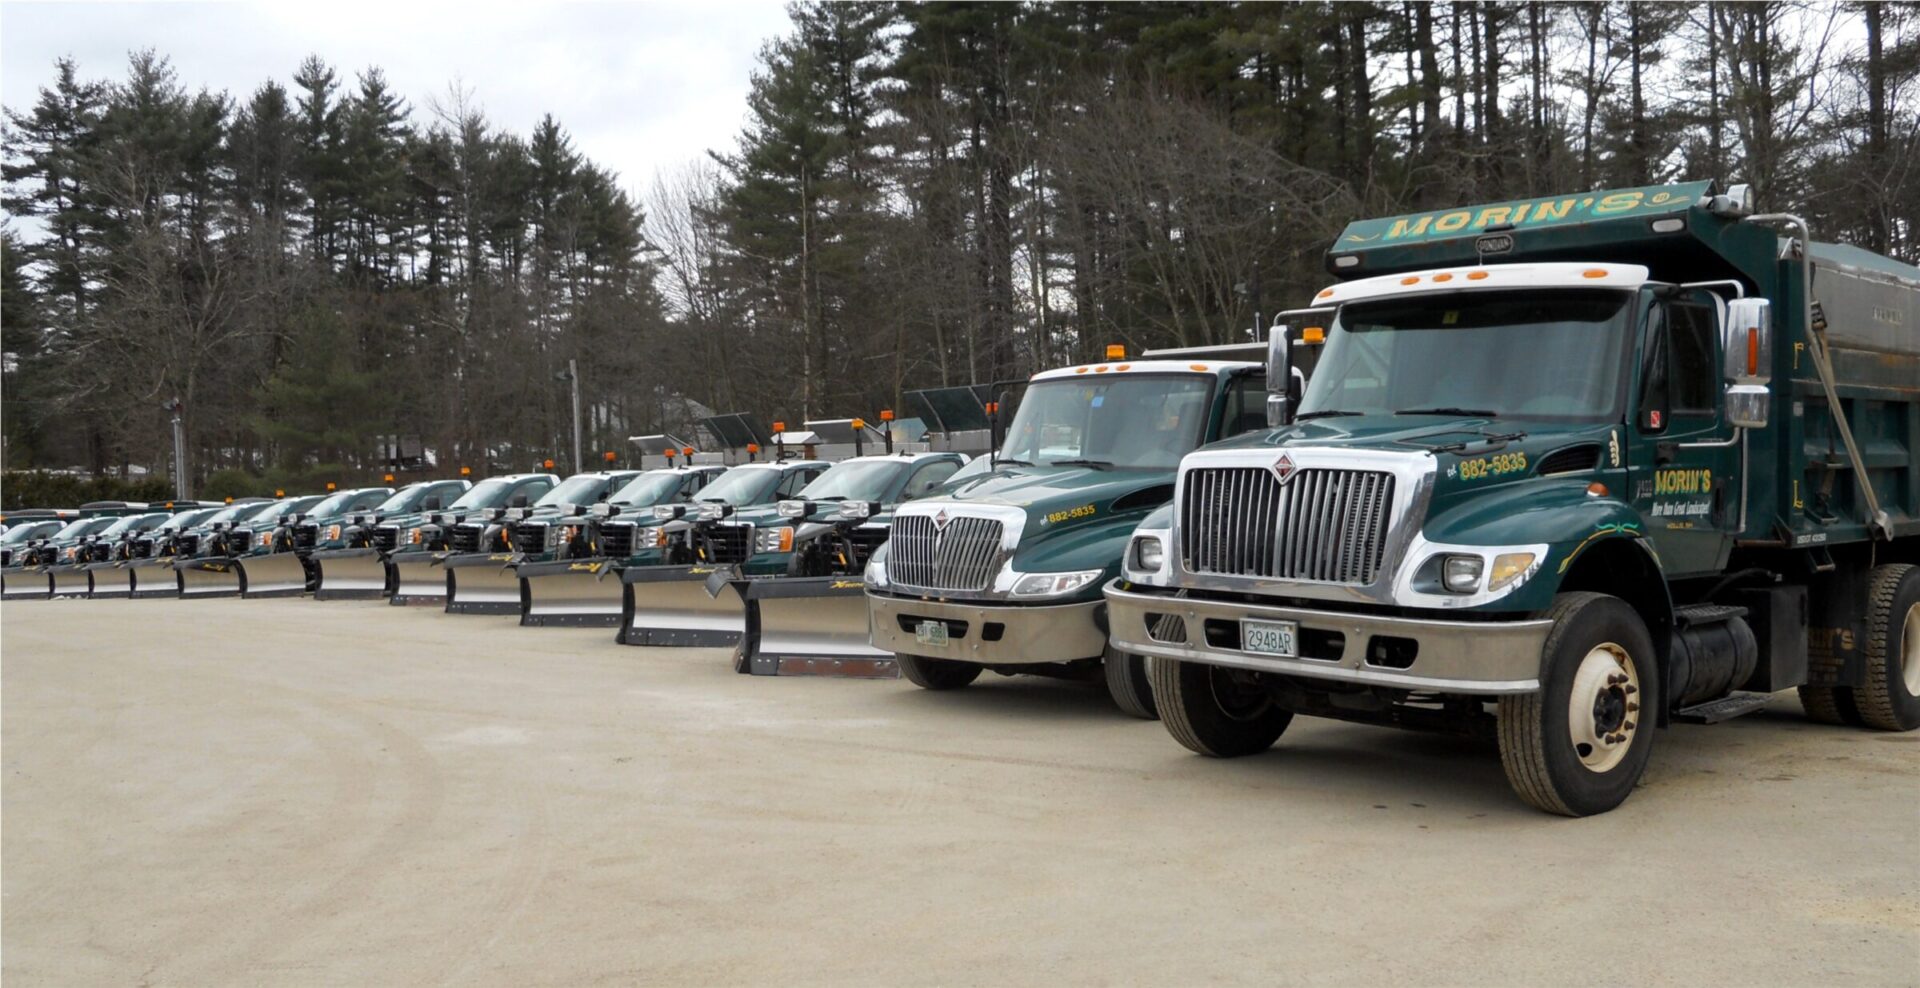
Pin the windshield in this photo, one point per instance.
(82, 526)
(298, 504)
(485, 494)
(26, 531)
(856, 480)
(333, 504)
(1553, 355)
(742, 485)
(405, 500)
(582, 489)
(652, 487)
(1147, 421)
(182, 522)
(130, 522)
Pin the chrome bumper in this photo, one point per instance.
(994, 635)
(1452, 656)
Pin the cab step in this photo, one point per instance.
(1694, 615)
(1726, 708)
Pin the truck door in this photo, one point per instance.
(1686, 460)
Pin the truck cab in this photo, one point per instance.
(1003, 570)
(1548, 485)
(658, 536)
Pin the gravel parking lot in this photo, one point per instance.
(291, 792)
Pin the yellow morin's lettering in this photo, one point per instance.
(1402, 229)
(1520, 213)
(1491, 216)
(1452, 221)
(1547, 212)
(1619, 202)
(1683, 482)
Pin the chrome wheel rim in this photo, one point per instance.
(1910, 650)
(1603, 710)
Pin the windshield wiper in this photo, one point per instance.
(1077, 462)
(1010, 461)
(1325, 413)
(1478, 412)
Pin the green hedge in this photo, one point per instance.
(38, 489)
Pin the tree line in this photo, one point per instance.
(924, 194)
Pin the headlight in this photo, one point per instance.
(857, 510)
(1053, 584)
(1149, 553)
(714, 510)
(1461, 574)
(773, 540)
(1508, 567)
(668, 512)
(792, 509)
(875, 575)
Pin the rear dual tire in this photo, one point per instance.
(1889, 699)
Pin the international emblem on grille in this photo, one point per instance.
(940, 520)
(1283, 467)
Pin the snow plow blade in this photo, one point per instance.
(210, 577)
(417, 578)
(811, 626)
(276, 574)
(683, 606)
(26, 584)
(112, 580)
(153, 578)
(482, 583)
(71, 581)
(348, 574)
(578, 593)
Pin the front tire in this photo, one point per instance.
(1214, 711)
(1579, 744)
(1129, 683)
(936, 674)
(1890, 698)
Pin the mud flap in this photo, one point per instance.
(153, 578)
(26, 583)
(276, 574)
(348, 574)
(681, 606)
(417, 578)
(482, 583)
(578, 593)
(209, 577)
(111, 580)
(811, 626)
(70, 581)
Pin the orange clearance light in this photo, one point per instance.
(1477, 276)
(1079, 370)
(1102, 369)
(886, 415)
(1325, 293)
(1198, 367)
(686, 451)
(388, 478)
(1123, 367)
(229, 499)
(609, 456)
(1753, 351)
(779, 427)
(466, 471)
(1313, 334)
(331, 485)
(669, 451)
(1116, 351)
(1594, 273)
(1596, 489)
(1443, 277)
(753, 447)
(277, 492)
(1409, 281)
(547, 464)
(859, 423)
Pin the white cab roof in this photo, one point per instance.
(1486, 277)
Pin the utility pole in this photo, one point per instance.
(572, 376)
(178, 408)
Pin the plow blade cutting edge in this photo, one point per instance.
(209, 577)
(349, 574)
(277, 574)
(71, 581)
(417, 578)
(482, 583)
(153, 578)
(26, 584)
(579, 593)
(684, 606)
(112, 579)
(811, 626)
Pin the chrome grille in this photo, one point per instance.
(306, 536)
(616, 540)
(1323, 526)
(386, 538)
(961, 557)
(465, 538)
(865, 539)
(187, 544)
(728, 543)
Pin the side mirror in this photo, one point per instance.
(1748, 345)
(1279, 377)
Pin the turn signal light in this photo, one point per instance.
(1596, 489)
(1753, 351)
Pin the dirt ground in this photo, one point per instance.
(290, 792)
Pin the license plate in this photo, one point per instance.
(1270, 637)
(931, 633)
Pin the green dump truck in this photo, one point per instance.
(1003, 571)
(1569, 470)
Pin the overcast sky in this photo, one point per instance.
(639, 85)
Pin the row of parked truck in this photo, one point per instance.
(1557, 473)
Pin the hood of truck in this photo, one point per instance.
(1058, 498)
